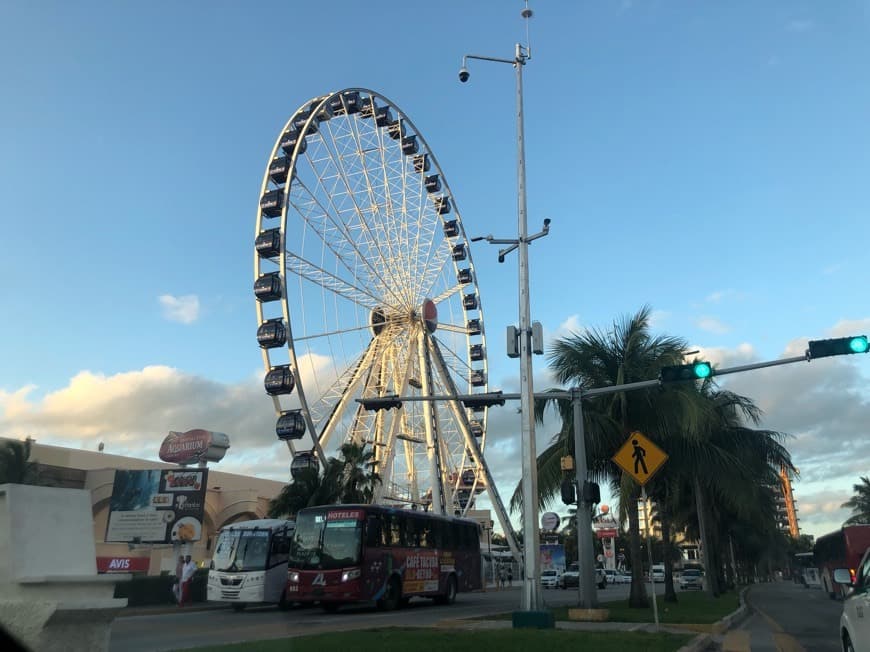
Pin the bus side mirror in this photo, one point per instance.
(843, 576)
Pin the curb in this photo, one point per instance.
(162, 610)
(703, 641)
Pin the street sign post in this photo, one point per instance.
(640, 458)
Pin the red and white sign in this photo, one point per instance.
(122, 564)
(194, 446)
(605, 534)
(344, 515)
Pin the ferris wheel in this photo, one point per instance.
(365, 288)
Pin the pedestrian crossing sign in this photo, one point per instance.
(640, 458)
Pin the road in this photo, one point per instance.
(787, 617)
(173, 631)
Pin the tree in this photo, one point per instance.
(349, 478)
(16, 467)
(626, 354)
(859, 503)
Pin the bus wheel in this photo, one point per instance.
(392, 598)
(283, 604)
(239, 606)
(330, 607)
(449, 596)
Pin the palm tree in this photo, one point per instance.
(859, 503)
(728, 474)
(356, 473)
(349, 478)
(628, 353)
(15, 464)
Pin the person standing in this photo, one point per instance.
(187, 574)
(179, 571)
(510, 576)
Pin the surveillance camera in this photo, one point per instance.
(546, 221)
(463, 74)
(501, 258)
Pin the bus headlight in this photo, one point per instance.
(254, 579)
(349, 575)
(293, 576)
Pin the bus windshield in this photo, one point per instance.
(241, 550)
(322, 542)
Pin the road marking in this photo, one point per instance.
(783, 642)
(736, 640)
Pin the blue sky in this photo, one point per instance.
(708, 159)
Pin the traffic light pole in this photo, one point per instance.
(587, 595)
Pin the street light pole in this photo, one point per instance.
(532, 599)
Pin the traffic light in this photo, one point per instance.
(569, 494)
(591, 493)
(838, 346)
(381, 403)
(696, 371)
(483, 400)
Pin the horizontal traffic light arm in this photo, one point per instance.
(487, 399)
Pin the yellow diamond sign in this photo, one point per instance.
(640, 458)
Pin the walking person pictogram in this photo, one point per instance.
(638, 455)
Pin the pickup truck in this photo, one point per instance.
(571, 577)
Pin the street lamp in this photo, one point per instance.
(531, 594)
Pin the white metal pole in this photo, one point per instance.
(531, 597)
(652, 579)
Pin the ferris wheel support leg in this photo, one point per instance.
(477, 454)
(432, 447)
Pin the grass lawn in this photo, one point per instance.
(446, 640)
(696, 608)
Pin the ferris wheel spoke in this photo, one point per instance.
(320, 277)
(374, 238)
(333, 231)
(446, 294)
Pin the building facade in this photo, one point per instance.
(229, 498)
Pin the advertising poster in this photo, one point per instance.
(157, 506)
(553, 557)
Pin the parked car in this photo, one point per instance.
(854, 623)
(691, 579)
(610, 576)
(623, 578)
(571, 578)
(550, 579)
(658, 572)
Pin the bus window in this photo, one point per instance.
(412, 533)
(397, 527)
(373, 531)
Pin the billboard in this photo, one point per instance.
(194, 446)
(157, 506)
(553, 557)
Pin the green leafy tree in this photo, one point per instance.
(859, 503)
(625, 354)
(349, 478)
(16, 467)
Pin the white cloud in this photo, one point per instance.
(184, 309)
(712, 325)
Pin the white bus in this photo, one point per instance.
(249, 565)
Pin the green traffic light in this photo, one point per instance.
(702, 369)
(859, 344)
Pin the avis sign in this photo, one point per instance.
(194, 446)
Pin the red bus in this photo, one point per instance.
(356, 553)
(841, 549)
